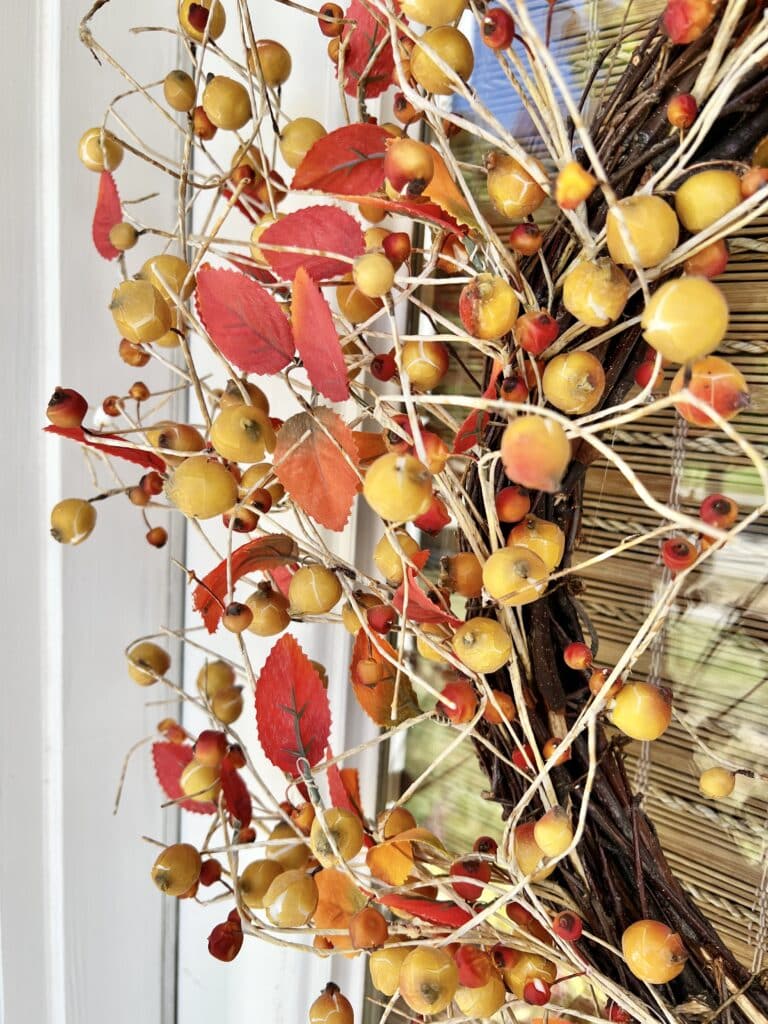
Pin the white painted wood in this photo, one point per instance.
(82, 927)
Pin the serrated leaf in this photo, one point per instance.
(237, 799)
(471, 431)
(316, 339)
(324, 232)
(312, 466)
(375, 695)
(245, 323)
(361, 40)
(170, 760)
(434, 911)
(149, 460)
(348, 161)
(443, 190)
(108, 212)
(263, 553)
(339, 899)
(293, 716)
(416, 606)
(415, 207)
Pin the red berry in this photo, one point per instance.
(498, 29)
(210, 871)
(235, 757)
(225, 941)
(512, 504)
(435, 518)
(686, 20)
(755, 179)
(677, 553)
(682, 110)
(537, 992)
(514, 388)
(462, 693)
(151, 483)
(567, 926)
(535, 332)
(474, 966)
(198, 17)
(397, 247)
(381, 617)
(210, 747)
(719, 510)
(383, 366)
(522, 757)
(66, 408)
(577, 656)
(504, 956)
(486, 845)
(470, 867)
(646, 372)
(526, 239)
(157, 537)
(617, 1014)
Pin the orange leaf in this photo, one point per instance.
(312, 467)
(339, 899)
(390, 862)
(316, 339)
(262, 553)
(373, 682)
(108, 212)
(415, 207)
(370, 445)
(444, 191)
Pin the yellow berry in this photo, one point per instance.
(227, 705)
(270, 611)
(706, 197)
(331, 1007)
(99, 150)
(140, 312)
(535, 452)
(653, 952)
(483, 1001)
(355, 306)
(291, 899)
(226, 103)
(428, 979)
(389, 553)
(232, 395)
(351, 618)
(652, 228)
(175, 437)
(313, 590)
(433, 12)
(123, 236)
(298, 137)
(545, 539)
(202, 488)
(200, 782)
(488, 307)
(384, 966)
(207, 16)
(515, 576)
(242, 433)
(214, 677)
(170, 275)
(179, 91)
(398, 487)
(346, 831)
(642, 711)
(73, 520)
(483, 645)
(511, 188)
(717, 783)
(686, 318)
(256, 879)
(553, 832)
(176, 869)
(287, 847)
(525, 967)
(528, 854)
(147, 662)
(274, 60)
(373, 274)
(453, 48)
(425, 363)
(574, 382)
(595, 292)
(439, 635)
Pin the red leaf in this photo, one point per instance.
(108, 212)
(472, 429)
(348, 161)
(262, 553)
(322, 229)
(361, 40)
(316, 339)
(416, 209)
(312, 467)
(247, 205)
(170, 761)
(428, 910)
(419, 607)
(149, 460)
(281, 576)
(293, 716)
(251, 269)
(237, 799)
(344, 788)
(244, 321)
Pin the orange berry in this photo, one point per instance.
(462, 573)
(573, 186)
(716, 382)
(642, 711)
(653, 952)
(553, 832)
(461, 694)
(710, 261)
(500, 709)
(368, 929)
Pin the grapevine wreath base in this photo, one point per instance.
(270, 270)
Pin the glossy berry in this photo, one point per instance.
(597, 681)
(99, 150)
(428, 980)
(355, 306)
(512, 503)
(157, 537)
(384, 366)
(381, 618)
(717, 783)
(497, 29)
(329, 19)
(179, 90)
(139, 391)
(256, 879)
(685, 21)
(500, 708)
(298, 137)
(705, 197)
(710, 261)
(535, 452)
(462, 695)
(397, 247)
(398, 487)
(522, 758)
(651, 226)
(535, 332)
(646, 374)
(515, 576)
(512, 188)
(678, 554)
(453, 48)
(176, 869)
(482, 644)
(331, 1007)
(482, 1001)
(132, 355)
(237, 617)
(553, 832)
(653, 952)
(202, 126)
(225, 941)
(474, 868)
(202, 488)
(200, 17)
(715, 381)
(573, 186)
(487, 846)
(147, 662)
(200, 782)
(526, 239)
(274, 61)
(210, 747)
(140, 312)
(66, 408)
(682, 110)
(514, 388)
(226, 103)
(528, 853)
(719, 510)
(577, 656)
(433, 12)
(287, 846)
(408, 166)
(123, 236)
(488, 307)
(346, 831)
(537, 992)
(595, 292)
(642, 711)
(384, 967)
(291, 899)
(210, 872)
(685, 319)
(567, 925)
